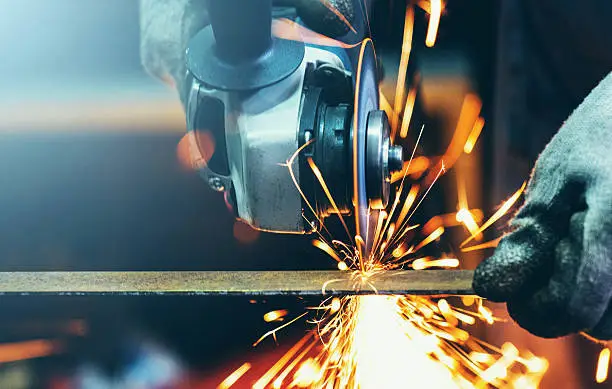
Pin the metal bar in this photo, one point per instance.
(426, 282)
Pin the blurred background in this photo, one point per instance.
(93, 177)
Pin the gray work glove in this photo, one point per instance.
(166, 26)
(554, 269)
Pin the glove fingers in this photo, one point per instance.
(524, 260)
(519, 264)
(594, 279)
(545, 313)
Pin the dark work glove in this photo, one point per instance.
(166, 26)
(554, 269)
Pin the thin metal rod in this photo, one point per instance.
(426, 282)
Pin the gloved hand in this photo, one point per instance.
(554, 269)
(166, 26)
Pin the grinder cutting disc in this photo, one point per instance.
(366, 100)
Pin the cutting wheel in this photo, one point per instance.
(366, 100)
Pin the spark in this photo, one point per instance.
(433, 236)
(327, 248)
(434, 22)
(470, 111)
(319, 176)
(473, 137)
(19, 351)
(231, 379)
(307, 374)
(424, 263)
(386, 106)
(408, 109)
(380, 341)
(603, 363)
(486, 245)
(418, 166)
(403, 65)
(277, 315)
(465, 216)
(274, 331)
(276, 368)
(505, 207)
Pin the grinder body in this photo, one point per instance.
(263, 99)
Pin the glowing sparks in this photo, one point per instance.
(284, 360)
(364, 342)
(380, 353)
(417, 167)
(234, 376)
(19, 351)
(408, 109)
(603, 364)
(473, 137)
(465, 216)
(403, 66)
(486, 245)
(277, 315)
(433, 236)
(307, 374)
(327, 248)
(505, 207)
(434, 22)
(470, 111)
(424, 263)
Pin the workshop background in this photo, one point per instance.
(93, 177)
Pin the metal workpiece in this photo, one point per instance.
(247, 283)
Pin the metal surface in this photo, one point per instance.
(428, 282)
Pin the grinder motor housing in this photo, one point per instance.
(264, 98)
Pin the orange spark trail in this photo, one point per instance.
(277, 315)
(499, 213)
(409, 107)
(482, 246)
(434, 22)
(433, 236)
(473, 137)
(327, 248)
(19, 351)
(467, 117)
(317, 173)
(423, 263)
(234, 376)
(403, 65)
(418, 165)
(274, 370)
(386, 106)
(465, 216)
(603, 363)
